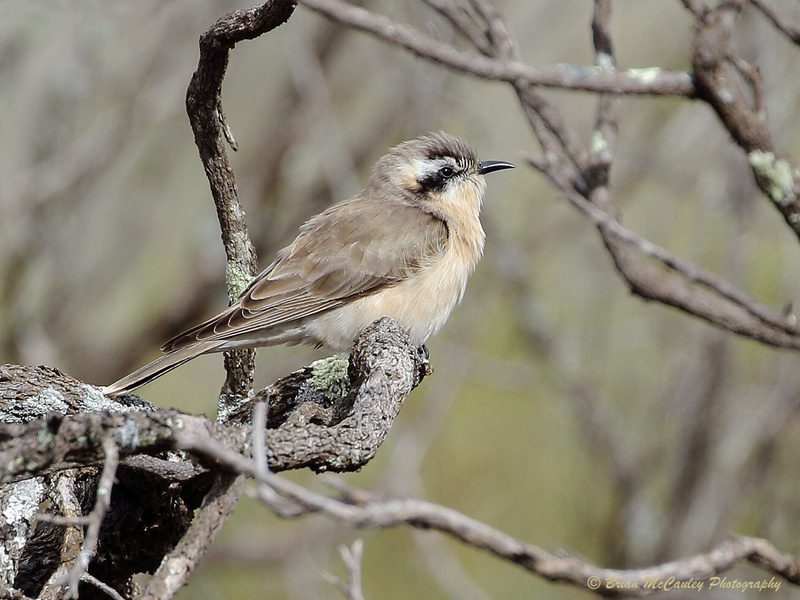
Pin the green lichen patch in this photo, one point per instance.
(329, 376)
(773, 176)
(236, 279)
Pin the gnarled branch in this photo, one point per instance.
(325, 424)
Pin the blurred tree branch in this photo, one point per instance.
(784, 25)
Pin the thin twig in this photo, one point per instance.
(62, 493)
(463, 22)
(362, 509)
(351, 557)
(260, 436)
(606, 121)
(102, 501)
(753, 77)
(719, 83)
(105, 588)
(696, 7)
(62, 520)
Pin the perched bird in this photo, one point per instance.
(402, 248)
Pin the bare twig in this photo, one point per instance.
(718, 81)
(605, 135)
(696, 7)
(102, 502)
(657, 82)
(464, 22)
(62, 520)
(74, 565)
(106, 589)
(259, 436)
(753, 77)
(62, 493)
(351, 557)
(752, 319)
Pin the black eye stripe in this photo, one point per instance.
(432, 182)
(435, 181)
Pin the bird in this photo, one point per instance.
(403, 248)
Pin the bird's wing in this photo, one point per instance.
(352, 249)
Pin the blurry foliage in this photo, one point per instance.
(109, 245)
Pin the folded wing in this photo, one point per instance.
(352, 249)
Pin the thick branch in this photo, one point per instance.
(321, 422)
(384, 368)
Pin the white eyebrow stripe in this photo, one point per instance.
(425, 167)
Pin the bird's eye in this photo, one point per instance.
(446, 172)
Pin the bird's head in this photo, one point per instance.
(437, 172)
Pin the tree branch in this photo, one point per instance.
(581, 170)
(639, 82)
(790, 29)
(366, 510)
(351, 557)
(383, 369)
(204, 107)
(320, 422)
(718, 77)
(716, 301)
(95, 520)
(176, 567)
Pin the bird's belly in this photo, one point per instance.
(420, 304)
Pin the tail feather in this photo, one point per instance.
(159, 366)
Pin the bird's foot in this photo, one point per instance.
(425, 366)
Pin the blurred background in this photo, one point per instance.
(563, 410)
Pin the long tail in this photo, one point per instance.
(159, 366)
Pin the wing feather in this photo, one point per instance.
(352, 249)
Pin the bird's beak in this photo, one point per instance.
(488, 166)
